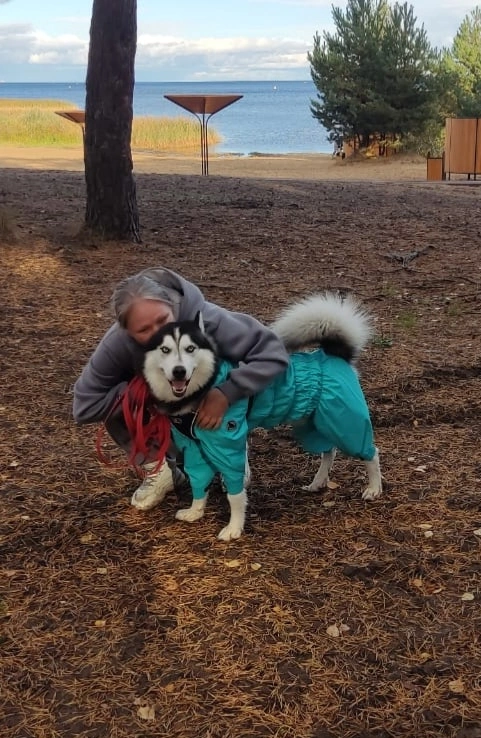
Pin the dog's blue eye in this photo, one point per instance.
(165, 349)
(190, 349)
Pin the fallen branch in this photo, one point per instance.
(405, 259)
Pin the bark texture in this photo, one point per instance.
(111, 209)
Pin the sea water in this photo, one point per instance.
(270, 118)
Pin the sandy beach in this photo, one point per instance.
(289, 166)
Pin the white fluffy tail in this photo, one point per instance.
(340, 325)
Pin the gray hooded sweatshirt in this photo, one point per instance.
(257, 353)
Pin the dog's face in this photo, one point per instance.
(179, 361)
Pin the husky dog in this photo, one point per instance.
(318, 394)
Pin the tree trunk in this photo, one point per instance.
(111, 193)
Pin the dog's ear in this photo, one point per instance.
(199, 321)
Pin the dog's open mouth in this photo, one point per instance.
(179, 386)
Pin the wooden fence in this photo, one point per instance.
(463, 146)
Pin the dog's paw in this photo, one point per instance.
(371, 493)
(229, 533)
(189, 514)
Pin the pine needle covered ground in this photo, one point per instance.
(331, 617)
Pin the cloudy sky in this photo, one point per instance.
(189, 40)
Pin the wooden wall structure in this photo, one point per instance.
(463, 146)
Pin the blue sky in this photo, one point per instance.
(189, 40)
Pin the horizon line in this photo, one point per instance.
(157, 82)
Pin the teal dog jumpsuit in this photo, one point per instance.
(318, 394)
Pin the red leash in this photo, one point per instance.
(144, 423)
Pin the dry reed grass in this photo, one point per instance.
(34, 123)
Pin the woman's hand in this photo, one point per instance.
(212, 410)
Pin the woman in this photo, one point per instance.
(142, 304)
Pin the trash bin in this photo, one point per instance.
(435, 168)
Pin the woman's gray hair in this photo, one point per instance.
(139, 287)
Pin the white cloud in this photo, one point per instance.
(15, 39)
(223, 56)
(20, 43)
(162, 45)
(25, 50)
(65, 49)
(227, 56)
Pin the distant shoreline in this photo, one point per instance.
(272, 116)
(275, 81)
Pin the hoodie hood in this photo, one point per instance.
(185, 298)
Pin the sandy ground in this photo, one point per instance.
(292, 166)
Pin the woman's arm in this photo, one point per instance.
(259, 355)
(103, 378)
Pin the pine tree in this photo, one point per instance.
(342, 67)
(411, 90)
(374, 75)
(463, 61)
(111, 208)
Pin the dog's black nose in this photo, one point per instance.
(178, 372)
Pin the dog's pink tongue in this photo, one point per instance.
(179, 384)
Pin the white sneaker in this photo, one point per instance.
(153, 488)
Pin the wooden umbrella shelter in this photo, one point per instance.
(75, 116)
(203, 107)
